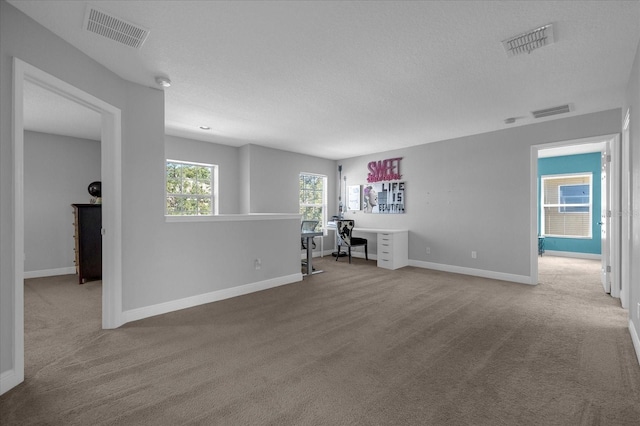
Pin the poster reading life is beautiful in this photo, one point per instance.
(384, 198)
(385, 192)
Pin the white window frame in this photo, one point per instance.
(214, 186)
(559, 206)
(324, 205)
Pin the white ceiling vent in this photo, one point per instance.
(561, 109)
(529, 41)
(111, 27)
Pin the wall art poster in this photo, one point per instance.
(384, 198)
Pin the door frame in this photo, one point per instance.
(613, 140)
(605, 218)
(111, 166)
(625, 203)
(613, 224)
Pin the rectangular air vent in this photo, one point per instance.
(561, 109)
(529, 41)
(114, 28)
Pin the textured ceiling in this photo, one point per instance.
(340, 79)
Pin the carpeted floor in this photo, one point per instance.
(355, 345)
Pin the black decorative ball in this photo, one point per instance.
(95, 189)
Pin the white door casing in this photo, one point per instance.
(611, 264)
(625, 216)
(111, 209)
(605, 222)
(613, 184)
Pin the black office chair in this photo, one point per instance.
(344, 228)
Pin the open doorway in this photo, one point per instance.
(61, 158)
(575, 188)
(111, 215)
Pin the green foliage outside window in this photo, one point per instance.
(189, 189)
(312, 197)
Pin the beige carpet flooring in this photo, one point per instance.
(355, 345)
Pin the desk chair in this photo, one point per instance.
(307, 226)
(344, 228)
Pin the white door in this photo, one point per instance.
(605, 222)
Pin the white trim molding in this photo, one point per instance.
(214, 296)
(572, 254)
(111, 213)
(233, 217)
(70, 270)
(9, 380)
(520, 279)
(111, 165)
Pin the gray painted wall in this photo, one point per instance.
(274, 179)
(161, 261)
(274, 185)
(244, 178)
(472, 193)
(633, 102)
(57, 171)
(258, 179)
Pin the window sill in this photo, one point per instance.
(233, 217)
(572, 237)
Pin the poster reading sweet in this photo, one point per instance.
(384, 198)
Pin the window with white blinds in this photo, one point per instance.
(567, 205)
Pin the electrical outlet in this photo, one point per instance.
(474, 255)
(257, 263)
(428, 250)
(638, 311)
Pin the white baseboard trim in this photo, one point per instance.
(50, 272)
(360, 254)
(354, 253)
(201, 299)
(303, 254)
(635, 339)
(573, 254)
(521, 279)
(9, 380)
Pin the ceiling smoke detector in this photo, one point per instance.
(163, 81)
(529, 41)
(116, 29)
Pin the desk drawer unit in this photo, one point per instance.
(392, 250)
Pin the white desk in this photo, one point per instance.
(393, 245)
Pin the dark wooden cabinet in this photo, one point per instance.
(88, 241)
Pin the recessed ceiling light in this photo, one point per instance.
(205, 127)
(163, 81)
